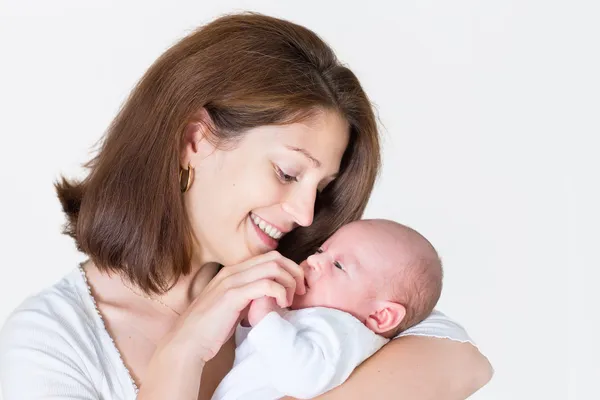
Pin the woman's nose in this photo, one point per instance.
(300, 204)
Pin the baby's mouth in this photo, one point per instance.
(306, 284)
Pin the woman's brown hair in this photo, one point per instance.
(246, 70)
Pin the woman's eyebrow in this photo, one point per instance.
(305, 152)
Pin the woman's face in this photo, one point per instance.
(243, 200)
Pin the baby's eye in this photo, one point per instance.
(338, 265)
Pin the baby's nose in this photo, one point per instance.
(315, 264)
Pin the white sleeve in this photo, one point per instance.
(38, 361)
(313, 355)
(241, 333)
(440, 326)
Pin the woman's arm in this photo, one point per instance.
(417, 368)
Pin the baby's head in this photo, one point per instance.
(385, 274)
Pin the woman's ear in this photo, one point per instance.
(385, 316)
(198, 139)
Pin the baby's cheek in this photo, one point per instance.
(336, 294)
(315, 297)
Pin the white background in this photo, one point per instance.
(489, 111)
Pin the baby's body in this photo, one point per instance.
(369, 281)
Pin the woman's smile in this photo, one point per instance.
(266, 227)
(267, 233)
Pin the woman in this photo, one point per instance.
(245, 137)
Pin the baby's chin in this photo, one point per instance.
(301, 302)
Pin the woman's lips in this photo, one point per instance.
(266, 239)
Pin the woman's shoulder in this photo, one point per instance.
(438, 325)
(56, 319)
(55, 339)
(61, 305)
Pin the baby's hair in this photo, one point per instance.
(418, 292)
(418, 283)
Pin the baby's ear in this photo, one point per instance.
(386, 315)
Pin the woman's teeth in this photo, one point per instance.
(270, 230)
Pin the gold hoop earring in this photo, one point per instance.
(185, 181)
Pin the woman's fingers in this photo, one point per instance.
(241, 296)
(268, 274)
(294, 269)
(269, 270)
(226, 272)
(297, 272)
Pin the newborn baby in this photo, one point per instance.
(369, 281)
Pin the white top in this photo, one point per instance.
(55, 345)
(301, 353)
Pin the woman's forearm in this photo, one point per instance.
(417, 368)
(172, 373)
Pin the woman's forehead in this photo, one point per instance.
(322, 131)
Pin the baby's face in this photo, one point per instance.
(344, 273)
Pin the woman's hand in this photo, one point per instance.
(212, 317)
(177, 364)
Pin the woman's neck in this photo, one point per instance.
(116, 289)
(189, 286)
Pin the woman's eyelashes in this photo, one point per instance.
(283, 177)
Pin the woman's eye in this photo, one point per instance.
(285, 177)
(319, 250)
